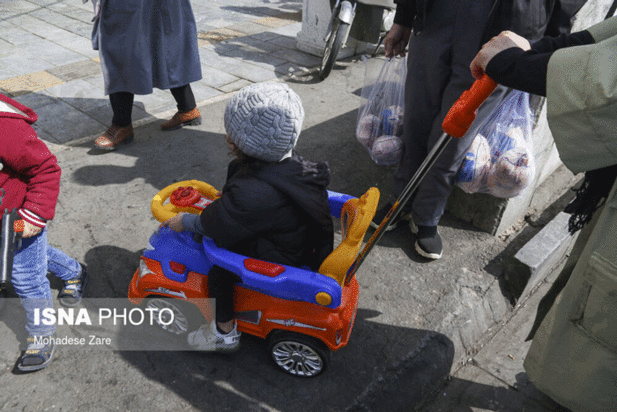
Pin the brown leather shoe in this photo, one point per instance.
(192, 118)
(114, 137)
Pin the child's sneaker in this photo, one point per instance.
(38, 354)
(73, 289)
(207, 337)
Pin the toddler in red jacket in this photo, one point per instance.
(30, 183)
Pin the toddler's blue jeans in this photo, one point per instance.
(30, 266)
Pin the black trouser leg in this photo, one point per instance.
(221, 288)
(122, 106)
(184, 98)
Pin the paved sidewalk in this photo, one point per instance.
(494, 379)
(47, 61)
(416, 320)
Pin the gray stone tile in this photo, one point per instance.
(251, 72)
(247, 27)
(216, 23)
(14, 8)
(36, 100)
(298, 57)
(43, 135)
(203, 91)
(290, 30)
(42, 2)
(284, 41)
(64, 123)
(62, 21)
(157, 102)
(291, 70)
(54, 53)
(214, 76)
(76, 43)
(248, 43)
(6, 73)
(24, 63)
(80, 95)
(235, 86)
(261, 59)
(37, 26)
(265, 36)
(17, 36)
(104, 114)
(6, 48)
(80, 14)
(96, 80)
(77, 70)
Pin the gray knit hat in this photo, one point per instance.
(264, 120)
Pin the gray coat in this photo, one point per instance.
(573, 356)
(145, 44)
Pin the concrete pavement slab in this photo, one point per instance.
(494, 379)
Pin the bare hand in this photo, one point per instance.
(175, 223)
(30, 230)
(396, 40)
(505, 40)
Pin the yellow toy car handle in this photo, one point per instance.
(190, 196)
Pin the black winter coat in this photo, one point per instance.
(277, 212)
(531, 19)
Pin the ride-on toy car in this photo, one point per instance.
(303, 314)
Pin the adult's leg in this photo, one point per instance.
(428, 71)
(430, 199)
(122, 106)
(184, 98)
(187, 114)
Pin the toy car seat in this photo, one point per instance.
(356, 216)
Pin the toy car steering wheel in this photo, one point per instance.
(190, 196)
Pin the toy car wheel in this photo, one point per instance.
(186, 316)
(298, 354)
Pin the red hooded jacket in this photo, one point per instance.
(29, 172)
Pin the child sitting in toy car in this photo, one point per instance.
(273, 207)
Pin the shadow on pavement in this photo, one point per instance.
(461, 395)
(248, 380)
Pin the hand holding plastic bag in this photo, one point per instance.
(380, 117)
(500, 160)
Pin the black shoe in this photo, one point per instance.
(380, 215)
(428, 242)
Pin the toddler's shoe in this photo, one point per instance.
(74, 289)
(191, 118)
(38, 354)
(207, 337)
(114, 137)
(428, 241)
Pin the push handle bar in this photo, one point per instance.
(457, 122)
(463, 112)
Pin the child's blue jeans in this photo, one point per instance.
(30, 266)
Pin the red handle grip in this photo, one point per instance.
(463, 111)
(18, 226)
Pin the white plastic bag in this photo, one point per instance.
(380, 117)
(500, 160)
